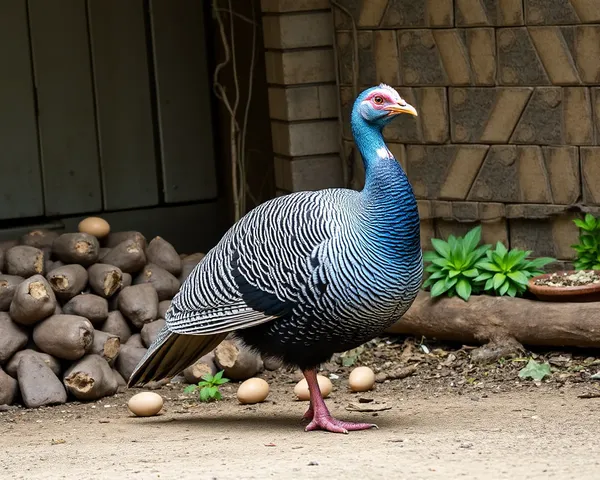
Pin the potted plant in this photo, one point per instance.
(581, 284)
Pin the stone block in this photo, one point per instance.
(555, 55)
(527, 174)
(441, 209)
(552, 237)
(387, 63)
(431, 126)
(488, 12)
(305, 138)
(364, 66)
(300, 66)
(465, 211)
(518, 62)
(313, 29)
(595, 96)
(588, 11)
(310, 173)
(283, 6)
(443, 171)
(422, 13)
(420, 60)
(425, 209)
(489, 211)
(550, 12)
(585, 46)
(577, 116)
(427, 232)
(448, 56)
(486, 115)
(468, 55)
(495, 231)
(562, 165)
(541, 121)
(555, 116)
(445, 228)
(590, 172)
(535, 211)
(303, 103)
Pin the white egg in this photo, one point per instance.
(301, 389)
(145, 404)
(253, 390)
(361, 379)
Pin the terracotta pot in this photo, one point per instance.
(583, 293)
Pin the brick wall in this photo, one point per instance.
(303, 94)
(508, 93)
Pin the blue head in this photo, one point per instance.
(375, 107)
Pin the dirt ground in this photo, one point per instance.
(449, 419)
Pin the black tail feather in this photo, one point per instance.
(170, 354)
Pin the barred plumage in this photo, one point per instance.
(307, 274)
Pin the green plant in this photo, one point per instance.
(506, 271)
(453, 264)
(588, 248)
(534, 370)
(209, 387)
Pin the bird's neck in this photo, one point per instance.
(391, 214)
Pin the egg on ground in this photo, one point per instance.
(253, 390)
(361, 379)
(145, 404)
(96, 226)
(301, 389)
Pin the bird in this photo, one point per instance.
(306, 275)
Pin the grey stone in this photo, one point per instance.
(38, 384)
(12, 337)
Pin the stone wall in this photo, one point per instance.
(508, 93)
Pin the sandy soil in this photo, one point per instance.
(535, 434)
(449, 419)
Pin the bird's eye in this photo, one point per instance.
(378, 100)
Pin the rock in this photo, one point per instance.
(90, 379)
(150, 331)
(135, 341)
(8, 388)
(206, 365)
(128, 359)
(12, 337)
(163, 307)
(38, 384)
(116, 324)
(237, 361)
(13, 364)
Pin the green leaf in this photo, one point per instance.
(212, 391)
(472, 238)
(441, 262)
(499, 280)
(190, 389)
(453, 273)
(203, 383)
(580, 223)
(438, 288)
(514, 257)
(218, 375)
(471, 273)
(489, 284)
(450, 282)
(483, 276)
(222, 381)
(463, 289)
(504, 288)
(218, 396)
(518, 277)
(488, 266)
(441, 247)
(590, 221)
(429, 256)
(534, 370)
(204, 395)
(512, 290)
(541, 261)
(501, 249)
(207, 378)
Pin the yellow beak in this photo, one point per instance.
(406, 108)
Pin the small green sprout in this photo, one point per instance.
(209, 387)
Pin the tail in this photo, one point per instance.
(170, 354)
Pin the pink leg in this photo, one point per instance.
(321, 418)
(309, 414)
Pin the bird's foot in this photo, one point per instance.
(309, 414)
(330, 424)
